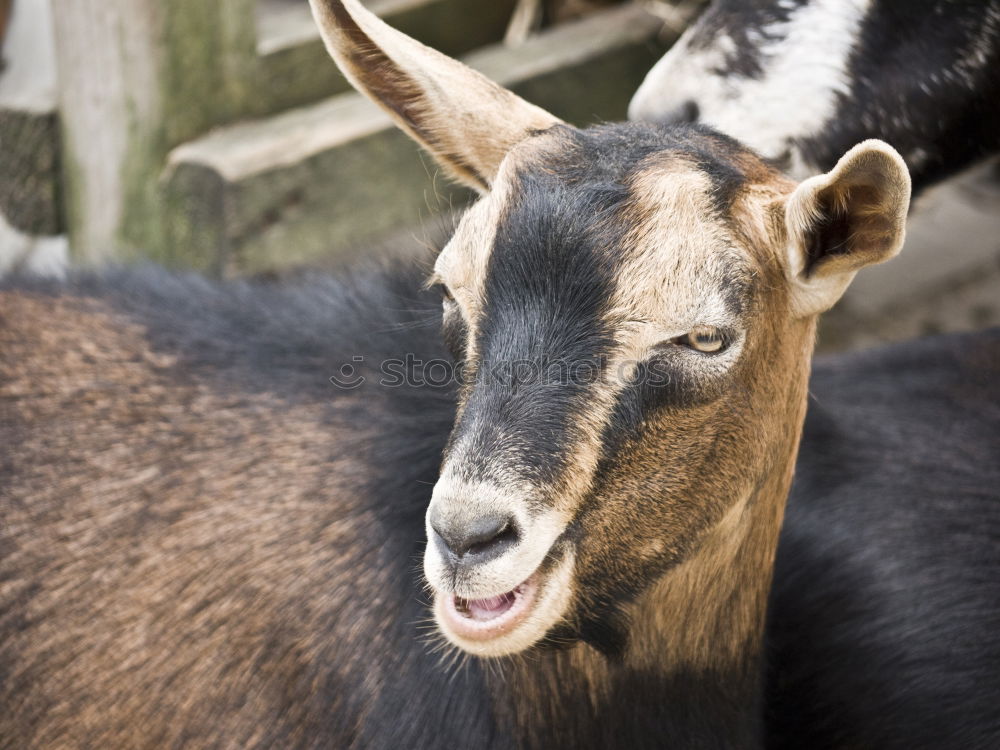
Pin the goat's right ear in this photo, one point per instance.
(839, 222)
(467, 122)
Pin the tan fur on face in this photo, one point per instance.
(672, 270)
(708, 611)
(676, 260)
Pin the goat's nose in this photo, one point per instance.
(473, 541)
(683, 114)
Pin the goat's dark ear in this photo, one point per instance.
(844, 220)
(467, 122)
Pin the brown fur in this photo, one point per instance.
(139, 623)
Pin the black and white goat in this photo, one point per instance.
(803, 80)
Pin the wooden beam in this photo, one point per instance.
(138, 77)
(4, 15)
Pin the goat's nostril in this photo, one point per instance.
(691, 111)
(477, 540)
(683, 114)
(482, 542)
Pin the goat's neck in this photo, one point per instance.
(701, 627)
(691, 671)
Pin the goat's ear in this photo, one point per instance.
(467, 122)
(844, 220)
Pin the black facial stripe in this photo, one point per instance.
(553, 268)
(542, 337)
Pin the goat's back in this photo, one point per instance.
(203, 541)
(885, 616)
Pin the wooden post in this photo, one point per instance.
(4, 15)
(138, 77)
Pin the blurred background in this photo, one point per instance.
(216, 135)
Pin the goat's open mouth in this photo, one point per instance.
(512, 621)
(492, 617)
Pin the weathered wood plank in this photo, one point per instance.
(136, 78)
(293, 66)
(322, 181)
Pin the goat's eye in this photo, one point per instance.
(446, 295)
(705, 339)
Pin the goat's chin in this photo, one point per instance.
(513, 621)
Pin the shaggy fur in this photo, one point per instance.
(205, 544)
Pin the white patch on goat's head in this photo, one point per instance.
(778, 84)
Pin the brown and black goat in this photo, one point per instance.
(206, 543)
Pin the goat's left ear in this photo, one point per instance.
(463, 119)
(844, 220)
